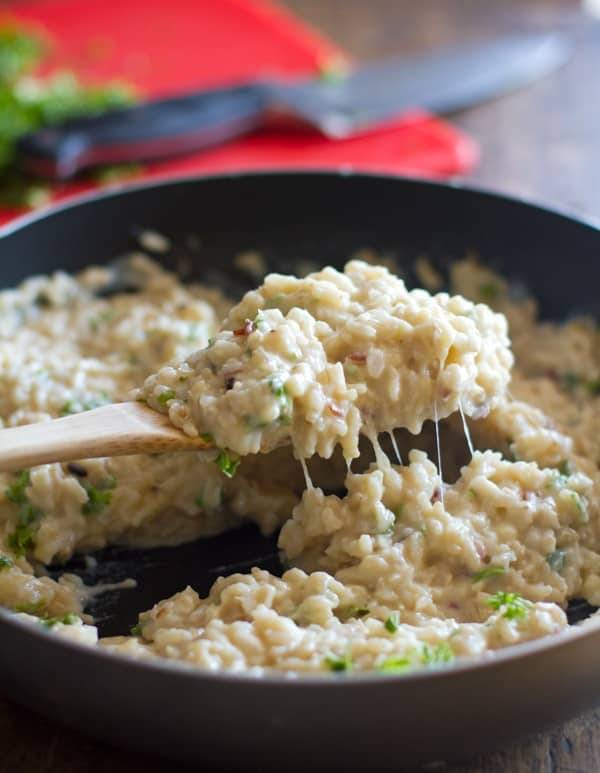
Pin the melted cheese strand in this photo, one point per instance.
(395, 447)
(438, 449)
(466, 429)
(307, 478)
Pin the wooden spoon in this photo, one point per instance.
(118, 429)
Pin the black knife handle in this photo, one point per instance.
(144, 132)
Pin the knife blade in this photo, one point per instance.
(355, 102)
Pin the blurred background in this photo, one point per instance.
(540, 142)
(64, 58)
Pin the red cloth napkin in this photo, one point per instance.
(165, 46)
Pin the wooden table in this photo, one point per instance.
(542, 143)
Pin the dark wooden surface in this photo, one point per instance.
(543, 143)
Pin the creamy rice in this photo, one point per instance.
(407, 569)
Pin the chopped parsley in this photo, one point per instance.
(347, 613)
(395, 665)
(136, 630)
(16, 491)
(227, 463)
(593, 386)
(36, 609)
(164, 397)
(21, 538)
(335, 663)
(5, 563)
(489, 571)
(207, 437)
(513, 605)
(99, 496)
(104, 316)
(277, 387)
(489, 291)
(259, 322)
(565, 468)
(253, 423)
(556, 560)
(580, 505)
(391, 623)
(570, 380)
(434, 656)
(68, 619)
(77, 405)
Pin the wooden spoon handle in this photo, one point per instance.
(118, 429)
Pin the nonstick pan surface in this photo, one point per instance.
(324, 722)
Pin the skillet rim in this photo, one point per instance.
(124, 189)
(176, 669)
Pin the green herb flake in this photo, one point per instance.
(513, 605)
(580, 504)
(227, 463)
(79, 405)
(36, 609)
(252, 423)
(570, 380)
(593, 387)
(347, 613)
(392, 622)
(565, 468)
(489, 291)
(277, 388)
(438, 655)
(489, 571)
(259, 322)
(556, 560)
(335, 663)
(395, 665)
(5, 563)
(136, 630)
(16, 491)
(164, 397)
(207, 437)
(99, 497)
(68, 619)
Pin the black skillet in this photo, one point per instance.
(326, 722)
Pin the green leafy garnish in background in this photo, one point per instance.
(29, 102)
(19, 50)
